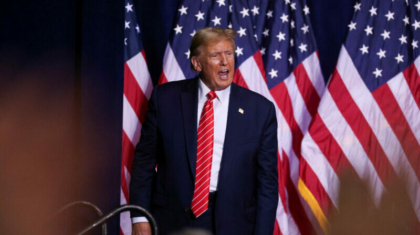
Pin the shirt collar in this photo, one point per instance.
(222, 96)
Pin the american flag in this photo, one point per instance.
(273, 36)
(368, 120)
(137, 90)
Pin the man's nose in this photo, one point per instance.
(223, 60)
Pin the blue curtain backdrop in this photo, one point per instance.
(77, 45)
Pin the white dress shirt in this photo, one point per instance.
(220, 109)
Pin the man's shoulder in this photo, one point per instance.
(251, 96)
(181, 84)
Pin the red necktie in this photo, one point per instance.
(205, 138)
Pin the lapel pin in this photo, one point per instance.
(241, 111)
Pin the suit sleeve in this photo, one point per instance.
(144, 163)
(267, 177)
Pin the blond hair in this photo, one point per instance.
(207, 36)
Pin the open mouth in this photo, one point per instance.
(224, 74)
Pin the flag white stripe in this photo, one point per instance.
(350, 145)
(131, 124)
(313, 69)
(378, 123)
(321, 168)
(138, 67)
(171, 68)
(401, 91)
(300, 112)
(285, 220)
(125, 220)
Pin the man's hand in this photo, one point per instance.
(142, 228)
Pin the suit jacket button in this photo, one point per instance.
(186, 209)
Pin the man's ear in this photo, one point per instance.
(196, 63)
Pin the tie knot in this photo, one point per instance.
(211, 95)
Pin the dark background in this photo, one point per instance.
(75, 47)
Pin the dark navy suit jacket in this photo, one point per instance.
(247, 191)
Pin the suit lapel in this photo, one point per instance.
(189, 103)
(232, 131)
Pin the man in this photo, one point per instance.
(215, 145)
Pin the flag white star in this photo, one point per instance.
(183, 10)
(368, 30)
(221, 2)
(306, 10)
(193, 33)
(414, 44)
(238, 51)
(216, 21)
(373, 11)
(305, 29)
(406, 20)
(291, 60)
(262, 51)
(244, 12)
(378, 73)
(418, 5)
(403, 39)
(352, 26)
(284, 18)
(287, 1)
(273, 73)
(381, 54)
(293, 6)
(241, 32)
(269, 14)
(291, 43)
(302, 47)
(230, 8)
(125, 41)
(277, 55)
(265, 33)
(255, 10)
(357, 6)
(188, 54)
(256, 37)
(416, 25)
(127, 24)
(364, 49)
(281, 36)
(129, 7)
(137, 28)
(399, 58)
(200, 16)
(390, 15)
(292, 24)
(230, 25)
(385, 34)
(178, 29)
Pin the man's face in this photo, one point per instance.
(216, 65)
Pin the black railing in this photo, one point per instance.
(86, 204)
(119, 210)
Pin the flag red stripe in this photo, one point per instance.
(134, 94)
(162, 78)
(329, 147)
(258, 60)
(307, 89)
(413, 80)
(361, 129)
(295, 206)
(283, 101)
(277, 229)
(396, 119)
(239, 80)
